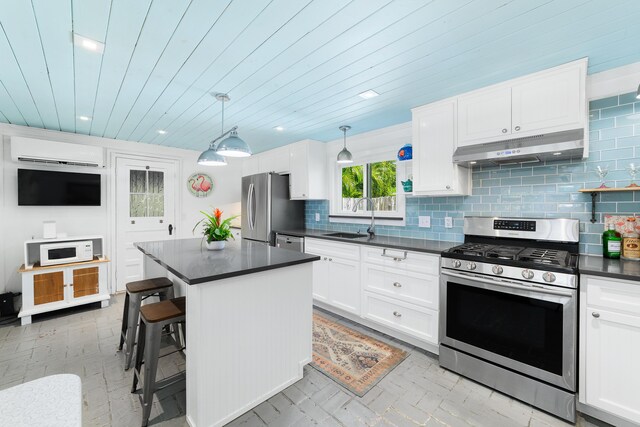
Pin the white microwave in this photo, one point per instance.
(66, 252)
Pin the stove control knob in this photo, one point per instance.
(527, 274)
(497, 269)
(456, 263)
(549, 277)
(471, 266)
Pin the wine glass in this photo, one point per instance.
(602, 171)
(633, 170)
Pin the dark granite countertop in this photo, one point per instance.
(404, 243)
(190, 260)
(613, 268)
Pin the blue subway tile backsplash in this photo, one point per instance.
(547, 190)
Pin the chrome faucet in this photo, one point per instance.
(371, 229)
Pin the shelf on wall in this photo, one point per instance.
(594, 193)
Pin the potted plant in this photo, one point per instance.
(215, 230)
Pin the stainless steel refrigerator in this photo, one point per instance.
(266, 207)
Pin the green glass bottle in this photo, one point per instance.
(611, 243)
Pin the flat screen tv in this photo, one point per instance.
(48, 188)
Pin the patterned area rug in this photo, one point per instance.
(350, 358)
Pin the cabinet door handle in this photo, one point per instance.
(504, 130)
(330, 259)
(595, 314)
(448, 187)
(397, 285)
(395, 313)
(325, 258)
(517, 128)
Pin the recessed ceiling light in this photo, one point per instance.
(279, 128)
(88, 44)
(367, 94)
(84, 118)
(472, 163)
(557, 154)
(162, 132)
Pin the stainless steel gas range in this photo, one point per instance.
(508, 309)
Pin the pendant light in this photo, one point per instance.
(344, 156)
(232, 146)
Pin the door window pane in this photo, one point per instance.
(146, 198)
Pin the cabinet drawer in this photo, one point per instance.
(402, 260)
(421, 323)
(612, 293)
(332, 249)
(415, 288)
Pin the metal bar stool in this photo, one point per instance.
(153, 319)
(136, 293)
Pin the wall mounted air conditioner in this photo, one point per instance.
(55, 153)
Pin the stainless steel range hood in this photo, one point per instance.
(532, 149)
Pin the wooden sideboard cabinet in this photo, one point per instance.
(56, 287)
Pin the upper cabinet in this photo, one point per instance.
(304, 161)
(308, 179)
(434, 138)
(548, 101)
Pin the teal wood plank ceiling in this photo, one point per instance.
(299, 64)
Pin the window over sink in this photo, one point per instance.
(377, 180)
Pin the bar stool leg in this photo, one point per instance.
(133, 317)
(125, 321)
(151, 355)
(139, 356)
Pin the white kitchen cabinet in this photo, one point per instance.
(552, 100)
(308, 178)
(434, 137)
(251, 165)
(276, 160)
(336, 277)
(401, 291)
(610, 345)
(52, 288)
(485, 114)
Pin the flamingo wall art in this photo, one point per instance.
(200, 184)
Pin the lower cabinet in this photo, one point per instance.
(393, 288)
(610, 345)
(336, 277)
(52, 288)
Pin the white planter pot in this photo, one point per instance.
(216, 245)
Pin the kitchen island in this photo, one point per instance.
(248, 321)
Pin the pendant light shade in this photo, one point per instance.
(344, 156)
(233, 146)
(210, 157)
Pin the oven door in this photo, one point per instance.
(531, 330)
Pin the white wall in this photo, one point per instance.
(20, 223)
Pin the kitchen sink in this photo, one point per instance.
(346, 235)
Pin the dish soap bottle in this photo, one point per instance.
(630, 241)
(611, 243)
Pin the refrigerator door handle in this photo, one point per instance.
(249, 208)
(253, 207)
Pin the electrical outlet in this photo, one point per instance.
(424, 221)
(317, 217)
(448, 222)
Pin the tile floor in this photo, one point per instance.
(417, 392)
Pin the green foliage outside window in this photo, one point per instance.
(375, 180)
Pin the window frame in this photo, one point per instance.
(337, 214)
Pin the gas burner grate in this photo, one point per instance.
(544, 256)
(477, 249)
(503, 252)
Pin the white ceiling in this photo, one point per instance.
(299, 64)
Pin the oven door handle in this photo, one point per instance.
(508, 284)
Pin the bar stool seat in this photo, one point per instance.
(137, 292)
(153, 319)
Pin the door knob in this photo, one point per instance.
(504, 130)
(517, 127)
(170, 229)
(595, 314)
(395, 313)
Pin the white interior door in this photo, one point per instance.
(145, 211)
